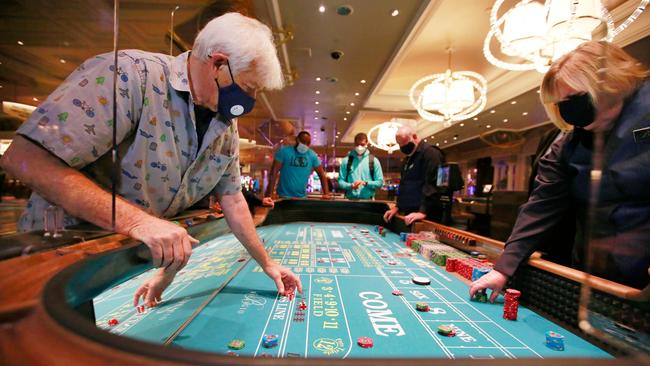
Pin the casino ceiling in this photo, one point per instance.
(349, 67)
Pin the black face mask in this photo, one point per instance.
(578, 110)
(408, 148)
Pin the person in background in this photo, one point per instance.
(617, 104)
(360, 174)
(418, 197)
(296, 164)
(177, 142)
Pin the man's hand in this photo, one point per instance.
(388, 215)
(493, 280)
(358, 184)
(268, 202)
(170, 244)
(151, 291)
(285, 280)
(413, 217)
(326, 196)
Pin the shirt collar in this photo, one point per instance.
(179, 79)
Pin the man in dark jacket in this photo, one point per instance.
(418, 196)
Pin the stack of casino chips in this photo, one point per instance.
(465, 266)
(511, 304)
(554, 341)
(450, 265)
(402, 236)
(422, 306)
(270, 340)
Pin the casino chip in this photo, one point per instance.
(392, 263)
(446, 330)
(236, 344)
(364, 231)
(474, 253)
(397, 293)
(269, 340)
(554, 341)
(422, 306)
(421, 280)
(365, 342)
(113, 322)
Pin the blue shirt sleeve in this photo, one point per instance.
(315, 161)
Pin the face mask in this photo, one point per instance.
(408, 148)
(233, 100)
(302, 148)
(360, 149)
(578, 110)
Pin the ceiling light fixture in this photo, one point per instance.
(493, 111)
(449, 96)
(356, 94)
(35, 99)
(316, 102)
(316, 111)
(513, 102)
(317, 78)
(347, 112)
(524, 114)
(345, 118)
(462, 124)
(382, 136)
(20, 43)
(505, 120)
(352, 104)
(394, 13)
(541, 33)
(488, 126)
(62, 61)
(317, 91)
(321, 8)
(363, 81)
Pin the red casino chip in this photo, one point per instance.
(365, 342)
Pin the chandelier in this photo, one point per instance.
(382, 136)
(449, 96)
(541, 33)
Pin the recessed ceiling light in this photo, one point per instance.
(20, 43)
(437, 144)
(505, 120)
(537, 91)
(345, 118)
(0, 86)
(35, 99)
(62, 61)
(352, 104)
(347, 112)
(316, 102)
(513, 102)
(321, 8)
(455, 137)
(425, 140)
(488, 126)
(317, 78)
(356, 94)
(462, 124)
(475, 118)
(493, 111)
(524, 114)
(332, 145)
(363, 81)
(394, 13)
(315, 117)
(316, 111)
(317, 91)
(445, 141)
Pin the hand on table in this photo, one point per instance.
(493, 280)
(151, 291)
(268, 202)
(285, 280)
(388, 215)
(170, 244)
(358, 184)
(326, 196)
(415, 216)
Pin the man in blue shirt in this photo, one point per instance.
(356, 176)
(295, 164)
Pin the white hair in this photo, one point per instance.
(245, 40)
(405, 131)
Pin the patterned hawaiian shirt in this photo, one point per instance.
(162, 169)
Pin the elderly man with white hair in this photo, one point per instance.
(418, 196)
(177, 143)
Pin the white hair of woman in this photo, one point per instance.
(245, 41)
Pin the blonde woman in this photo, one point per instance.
(580, 100)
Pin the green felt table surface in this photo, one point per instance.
(348, 278)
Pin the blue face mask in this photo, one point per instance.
(233, 100)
